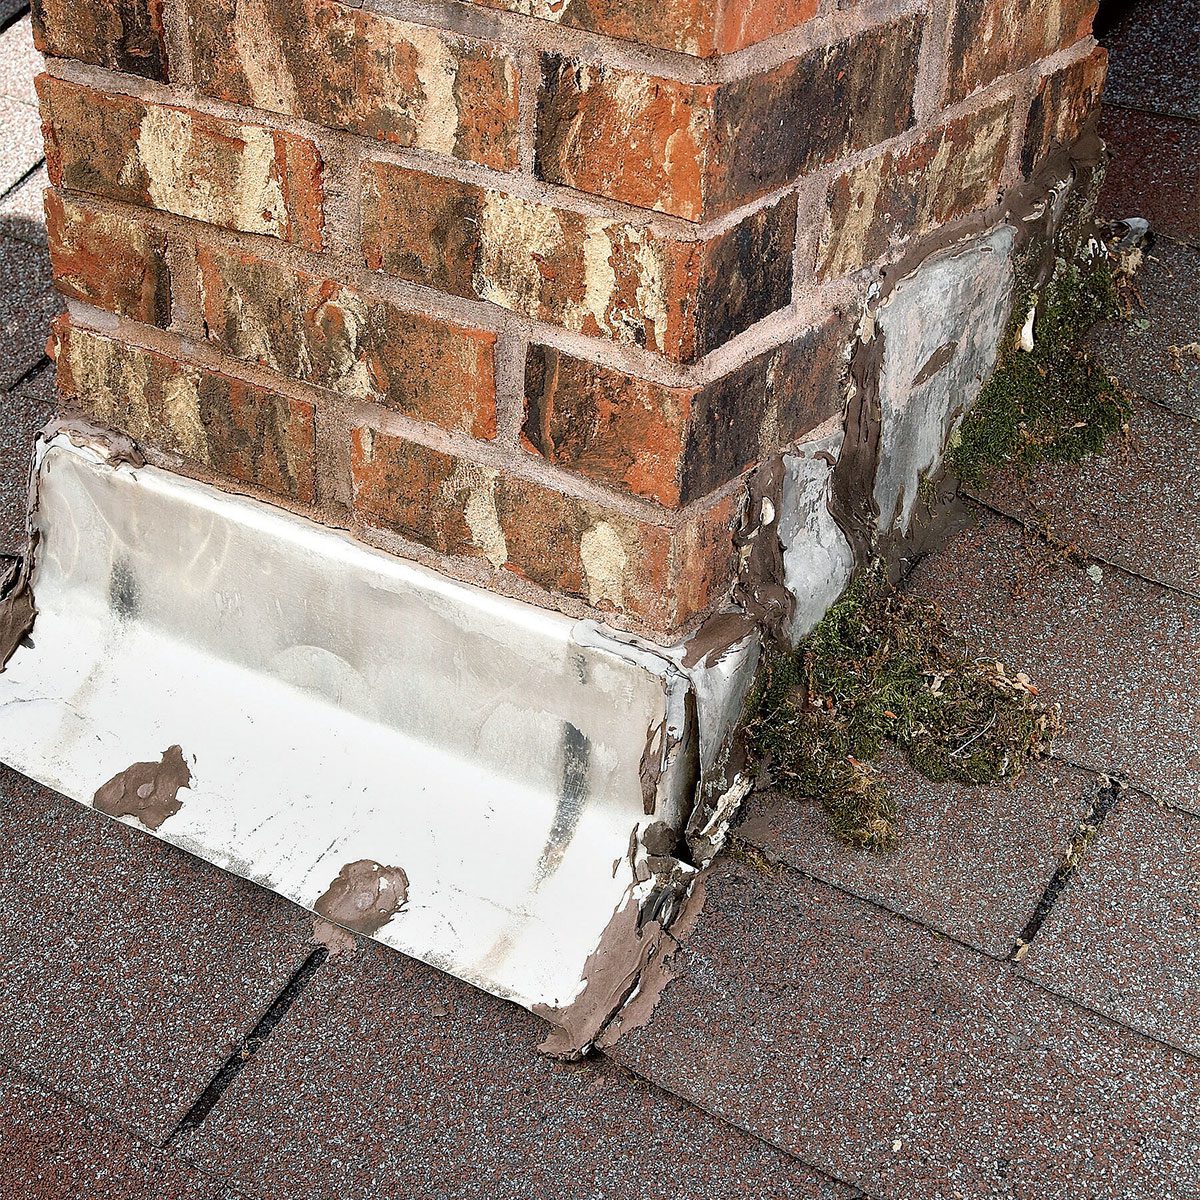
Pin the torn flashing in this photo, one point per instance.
(17, 609)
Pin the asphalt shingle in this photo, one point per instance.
(21, 146)
(387, 1077)
(50, 1150)
(1138, 506)
(1121, 654)
(22, 214)
(972, 861)
(130, 970)
(28, 304)
(1124, 936)
(903, 1062)
(20, 62)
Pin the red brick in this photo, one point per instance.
(990, 38)
(660, 575)
(239, 176)
(900, 194)
(122, 35)
(346, 68)
(1062, 104)
(676, 445)
(327, 334)
(698, 150)
(604, 278)
(699, 27)
(108, 260)
(214, 423)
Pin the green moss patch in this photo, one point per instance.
(1052, 403)
(882, 668)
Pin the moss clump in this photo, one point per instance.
(1052, 403)
(883, 668)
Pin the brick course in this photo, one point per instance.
(583, 549)
(123, 35)
(530, 284)
(217, 425)
(697, 150)
(606, 278)
(108, 260)
(238, 176)
(699, 27)
(321, 332)
(350, 69)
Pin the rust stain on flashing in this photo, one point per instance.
(148, 791)
(364, 897)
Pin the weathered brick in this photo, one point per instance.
(948, 174)
(603, 278)
(347, 68)
(662, 576)
(327, 334)
(990, 38)
(239, 176)
(672, 444)
(108, 260)
(699, 27)
(214, 423)
(122, 35)
(1062, 104)
(698, 150)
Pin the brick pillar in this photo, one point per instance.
(524, 290)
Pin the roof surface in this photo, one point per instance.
(841, 1025)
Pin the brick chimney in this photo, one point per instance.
(651, 319)
(522, 289)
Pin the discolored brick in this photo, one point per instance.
(661, 575)
(108, 260)
(239, 176)
(698, 27)
(674, 444)
(697, 150)
(122, 35)
(900, 194)
(608, 279)
(990, 38)
(1062, 104)
(321, 332)
(212, 422)
(347, 68)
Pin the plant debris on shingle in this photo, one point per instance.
(882, 667)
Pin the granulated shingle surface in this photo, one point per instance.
(908, 1064)
(22, 211)
(1154, 63)
(972, 861)
(51, 1150)
(1137, 506)
(388, 1078)
(1122, 655)
(130, 970)
(1154, 172)
(27, 306)
(21, 143)
(1124, 936)
(20, 62)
